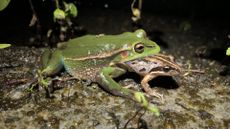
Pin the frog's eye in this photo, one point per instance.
(166, 69)
(139, 48)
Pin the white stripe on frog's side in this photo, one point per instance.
(99, 56)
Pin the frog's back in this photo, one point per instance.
(95, 45)
(83, 56)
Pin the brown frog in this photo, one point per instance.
(151, 67)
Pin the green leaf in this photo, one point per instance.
(4, 4)
(140, 97)
(228, 52)
(4, 46)
(59, 14)
(72, 9)
(154, 109)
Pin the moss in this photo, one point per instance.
(205, 104)
(173, 119)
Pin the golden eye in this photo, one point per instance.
(139, 48)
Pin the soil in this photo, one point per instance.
(194, 100)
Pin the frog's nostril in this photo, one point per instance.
(133, 63)
(142, 70)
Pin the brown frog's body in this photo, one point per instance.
(153, 66)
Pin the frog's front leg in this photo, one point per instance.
(105, 79)
(148, 89)
(52, 64)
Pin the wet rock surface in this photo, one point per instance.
(192, 101)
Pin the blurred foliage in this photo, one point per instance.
(4, 4)
(59, 14)
(136, 10)
(4, 46)
(69, 10)
(228, 52)
(62, 16)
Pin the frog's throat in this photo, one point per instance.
(98, 56)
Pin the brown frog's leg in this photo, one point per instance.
(148, 89)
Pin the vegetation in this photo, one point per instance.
(4, 46)
(228, 52)
(4, 4)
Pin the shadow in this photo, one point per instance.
(217, 54)
(129, 75)
(156, 37)
(165, 82)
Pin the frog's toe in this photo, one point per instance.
(154, 93)
(44, 82)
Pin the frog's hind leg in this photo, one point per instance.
(52, 66)
(105, 79)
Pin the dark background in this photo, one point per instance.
(14, 20)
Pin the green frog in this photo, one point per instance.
(151, 67)
(96, 58)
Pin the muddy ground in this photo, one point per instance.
(192, 101)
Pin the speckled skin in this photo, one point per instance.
(151, 67)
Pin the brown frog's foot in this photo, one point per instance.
(150, 93)
(154, 93)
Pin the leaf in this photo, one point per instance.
(140, 97)
(4, 46)
(228, 52)
(70, 9)
(4, 4)
(152, 108)
(59, 14)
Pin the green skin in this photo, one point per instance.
(95, 58)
